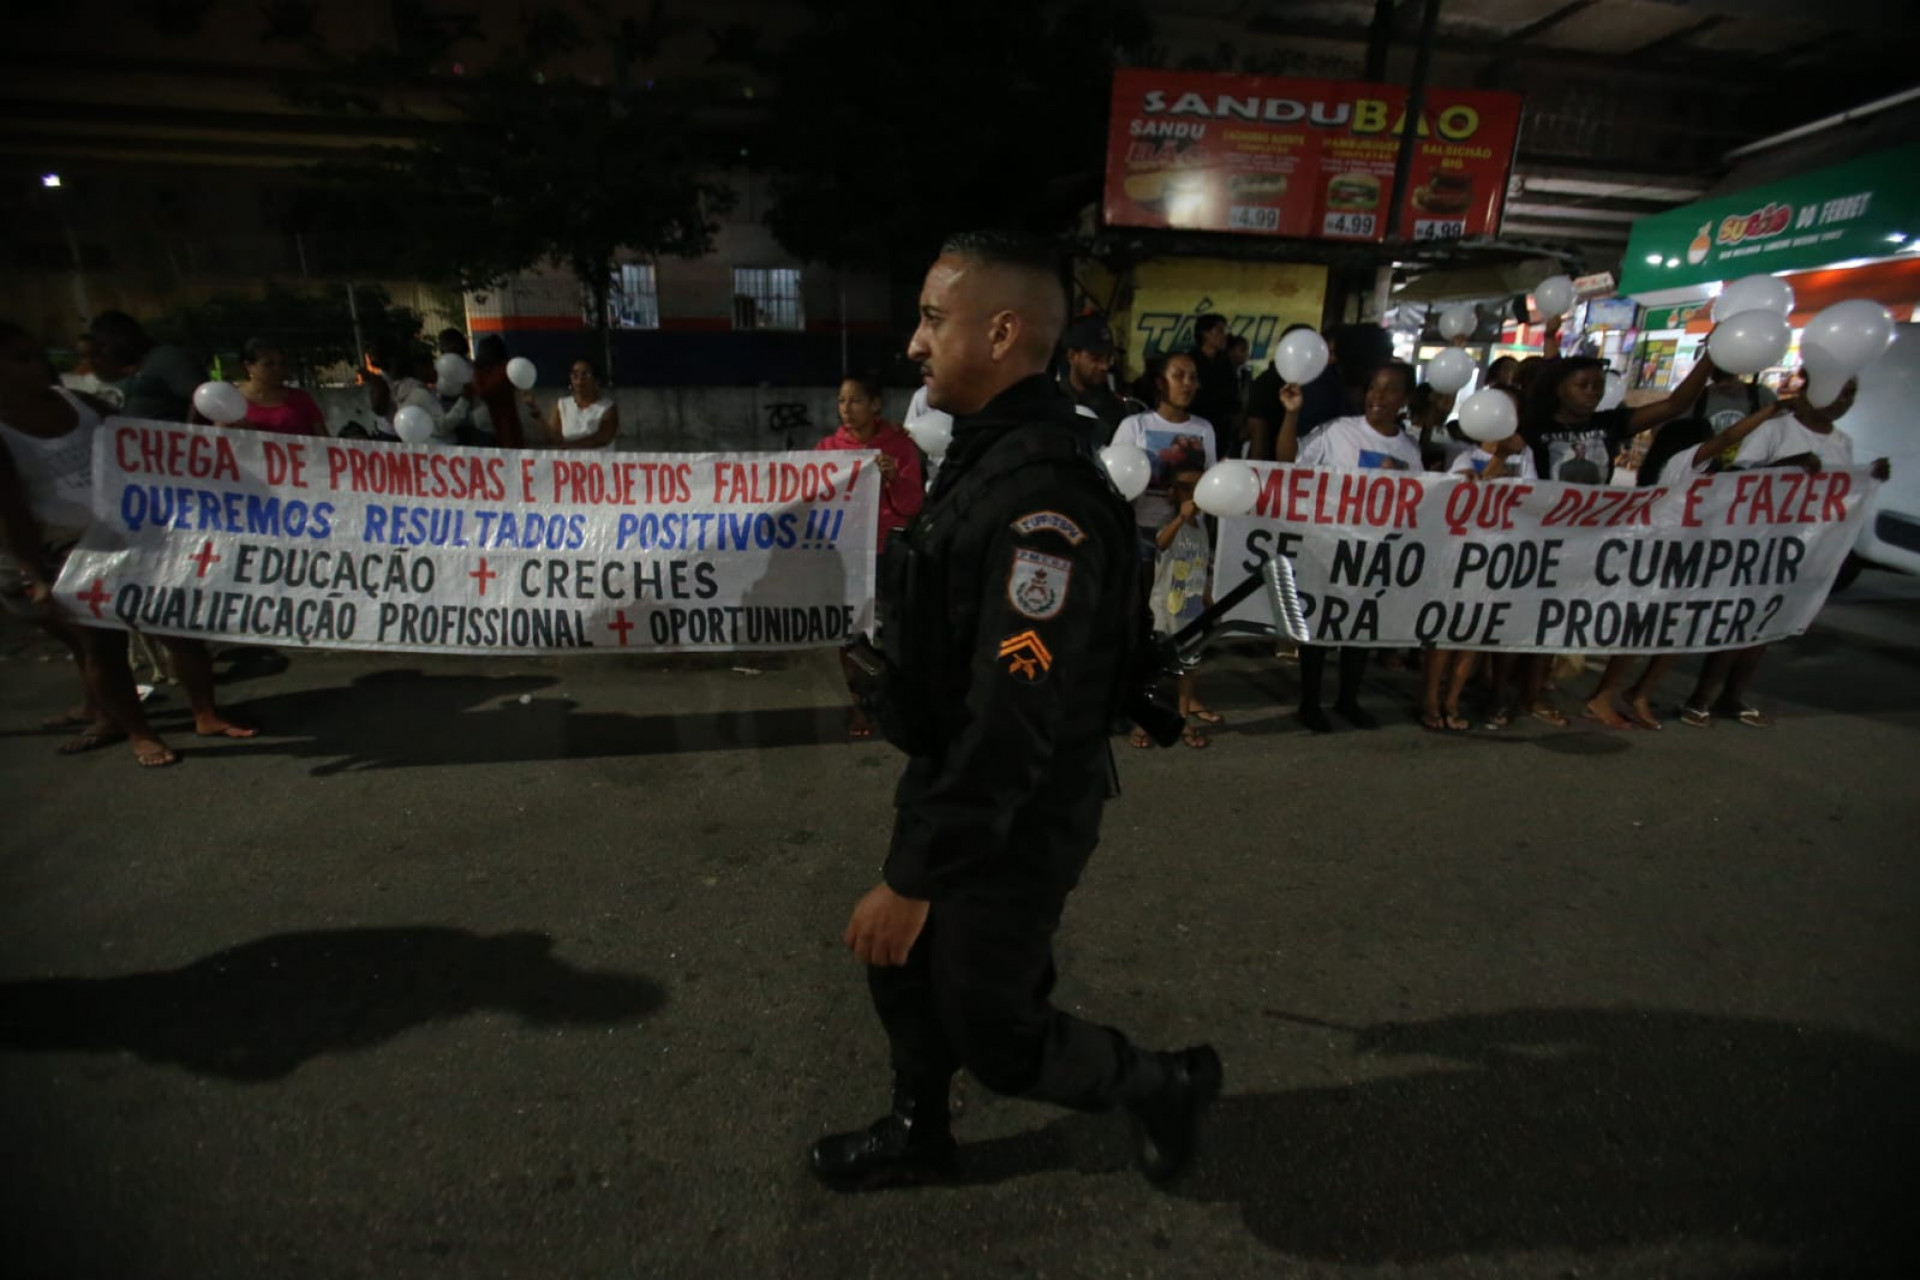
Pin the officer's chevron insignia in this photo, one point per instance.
(1026, 656)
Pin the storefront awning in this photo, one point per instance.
(1866, 209)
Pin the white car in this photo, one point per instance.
(1885, 423)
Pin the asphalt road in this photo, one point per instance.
(496, 968)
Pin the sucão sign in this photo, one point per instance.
(1281, 157)
(1865, 208)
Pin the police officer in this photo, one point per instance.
(1011, 601)
(1089, 344)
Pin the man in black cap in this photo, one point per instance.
(1012, 616)
(1089, 344)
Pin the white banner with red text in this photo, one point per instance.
(343, 544)
(1384, 558)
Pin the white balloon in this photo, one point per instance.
(1554, 296)
(1451, 370)
(1616, 392)
(1229, 488)
(1754, 293)
(1301, 356)
(220, 402)
(1827, 375)
(1750, 341)
(452, 373)
(1128, 467)
(521, 373)
(413, 424)
(1853, 334)
(1459, 321)
(933, 432)
(1488, 415)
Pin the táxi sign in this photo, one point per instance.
(1866, 208)
(1279, 157)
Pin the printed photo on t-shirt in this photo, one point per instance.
(1172, 452)
(1383, 461)
(1583, 459)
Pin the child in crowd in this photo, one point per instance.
(1181, 566)
(1373, 439)
(1503, 459)
(1574, 439)
(1790, 434)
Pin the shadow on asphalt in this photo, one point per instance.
(404, 719)
(1545, 1129)
(257, 1012)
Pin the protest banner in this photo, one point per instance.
(244, 536)
(1392, 559)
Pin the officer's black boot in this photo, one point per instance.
(1169, 1093)
(912, 1143)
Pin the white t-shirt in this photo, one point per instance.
(577, 423)
(1171, 447)
(1476, 458)
(57, 473)
(1683, 466)
(1788, 437)
(1351, 444)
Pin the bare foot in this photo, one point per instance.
(1640, 711)
(215, 725)
(151, 753)
(100, 733)
(1602, 710)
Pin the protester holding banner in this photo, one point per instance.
(492, 388)
(1368, 441)
(46, 503)
(1790, 434)
(902, 491)
(272, 405)
(583, 418)
(1574, 440)
(155, 379)
(1174, 438)
(1454, 667)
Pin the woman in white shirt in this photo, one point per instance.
(1806, 438)
(1373, 440)
(583, 419)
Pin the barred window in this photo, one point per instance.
(767, 298)
(633, 299)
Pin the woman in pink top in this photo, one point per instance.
(272, 405)
(901, 488)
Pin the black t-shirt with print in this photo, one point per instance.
(1582, 454)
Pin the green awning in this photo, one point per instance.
(1866, 208)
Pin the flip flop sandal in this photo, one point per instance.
(1195, 739)
(1208, 717)
(1639, 721)
(1695, 717)
(1754, 717)
(1547, 715)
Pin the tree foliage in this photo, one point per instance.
(895, 122)
(314, 328)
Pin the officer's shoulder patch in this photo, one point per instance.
(1026, 656)
(1037, 584)
(1050, 522)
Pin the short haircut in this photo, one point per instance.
(1015, 251)
(1400, 369)
(257, 348)
(122, 339)
(452, 342)
(1239, 340)
(867, 381)
(1207, 324)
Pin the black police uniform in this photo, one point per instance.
(1010, 625)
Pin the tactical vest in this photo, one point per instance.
(934, 574)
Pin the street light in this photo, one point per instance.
(49, 179)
